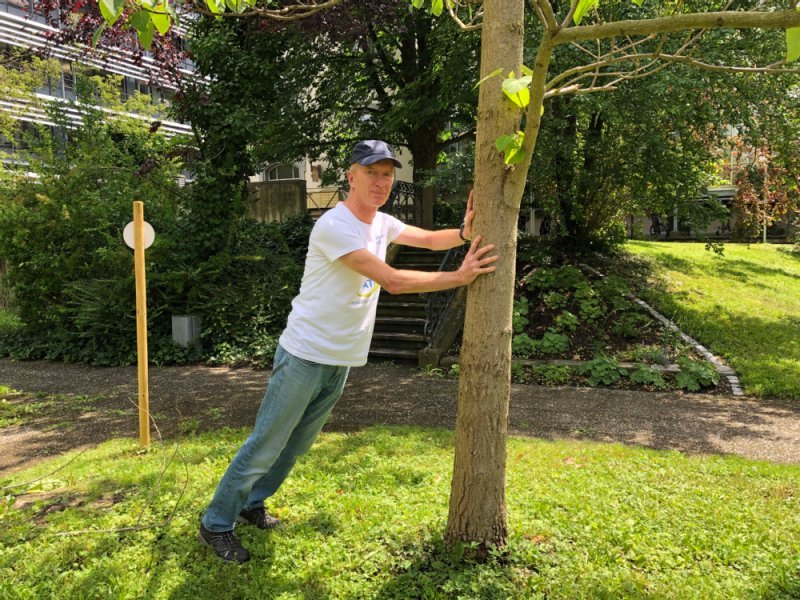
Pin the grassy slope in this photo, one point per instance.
(363, 515)
(744, 307)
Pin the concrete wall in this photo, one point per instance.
(270, 201)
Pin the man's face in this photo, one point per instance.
(372, 184)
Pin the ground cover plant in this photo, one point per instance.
(364, 512)
(575, 327)
(744, 305)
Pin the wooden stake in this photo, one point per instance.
(141, 322)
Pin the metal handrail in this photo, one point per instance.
(439, 303)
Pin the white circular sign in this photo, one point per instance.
(149, 234)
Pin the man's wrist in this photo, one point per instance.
(461, 233)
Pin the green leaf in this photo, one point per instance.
(437, 6)
(216, 6)
(792, 44)
(146, 35)
(502, 142)
(97, 33)
(638, 2)
(526, 70)
(417, 3)
(511, 147)
(584, 6)
(517, 89)
(111, 10)
(489, 76)
(140, 20)
(160, 19)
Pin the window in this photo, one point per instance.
(283, 172)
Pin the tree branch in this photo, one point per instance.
(573, 7)
(471, 26)
(294, 12)
(548, 15)
(713, 20)
(657, 62)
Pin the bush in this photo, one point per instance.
(603, 370)
(648, 376)
(72, 275)
(62, 237)
(696, 374)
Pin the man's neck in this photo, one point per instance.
(366, 214)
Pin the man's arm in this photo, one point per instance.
(403, 281)
(443, 239)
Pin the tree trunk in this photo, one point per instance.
(425, 150)
(477, 500)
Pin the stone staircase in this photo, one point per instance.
(400, 322)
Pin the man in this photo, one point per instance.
(329, 330)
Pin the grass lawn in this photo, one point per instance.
(744, 306)
(363, 515)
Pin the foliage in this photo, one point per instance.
(61, 234)
(72, 275)
(744, 308)
(553, 374)
(603, 370)
(648, 376)
(561, 311)
(696, 374)
(767, 189)
(20, 76)
(363, 516)
(246, 296)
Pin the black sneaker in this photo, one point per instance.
(258, 517)
(225, 545)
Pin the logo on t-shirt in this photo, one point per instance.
(368, 288)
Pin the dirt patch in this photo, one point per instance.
(94, 404)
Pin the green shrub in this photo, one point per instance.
(72, 275)
(566, 321)
(522, 345)
(603, 370)
(696, 374)
(646, 375)
(553, 374)
(519, 318)
(553, 343)
(630, 325)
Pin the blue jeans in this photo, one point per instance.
(299, 398)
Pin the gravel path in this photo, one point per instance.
(199, 398)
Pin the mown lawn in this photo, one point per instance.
(743, 306)
(363, 515)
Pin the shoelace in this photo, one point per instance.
(226, 543)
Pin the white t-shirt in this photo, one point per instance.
(333, 316)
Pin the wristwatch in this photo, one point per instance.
(461, 233)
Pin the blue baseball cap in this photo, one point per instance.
(371, 151)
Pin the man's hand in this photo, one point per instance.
(467, 231)
(476, 262)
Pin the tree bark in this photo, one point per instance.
(424, 149)
(477, 499)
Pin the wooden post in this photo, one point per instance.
(141, 322)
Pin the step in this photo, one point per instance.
(402, 299)
(380, 354)
(393, 339)
(401, 324)
(401, 309)
(416, 266)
